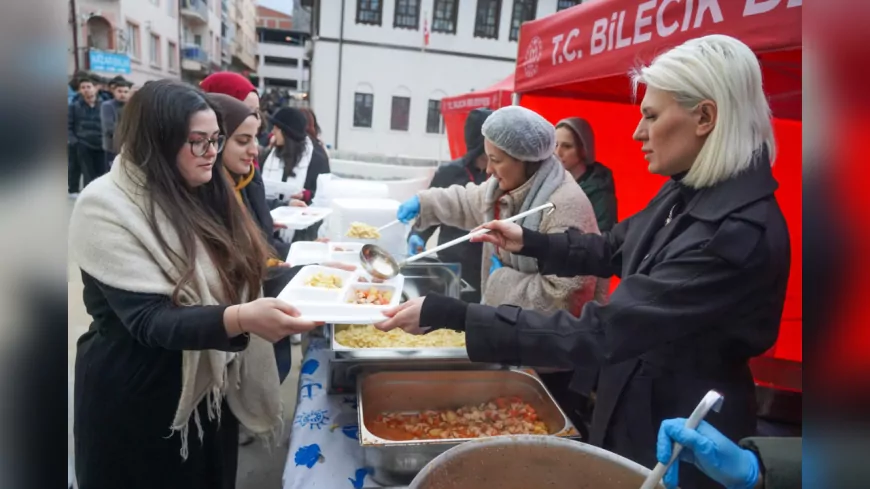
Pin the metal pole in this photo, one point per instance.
(338, 85)
(75, 28)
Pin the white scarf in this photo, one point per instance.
(273, 171)
(111, 239)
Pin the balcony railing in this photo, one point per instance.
(195, 9)
(194, 53)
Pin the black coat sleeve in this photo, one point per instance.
(780, 459)
(679, 297)
(154, 321)
(575, 253)
(319, 166)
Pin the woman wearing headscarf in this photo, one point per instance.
(575, 148)
(470, 168)
(524, 174)
(704, 267)
(179, 352)
(237, 159)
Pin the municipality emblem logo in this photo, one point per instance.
(533, 56)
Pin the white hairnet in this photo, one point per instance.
(521, 133)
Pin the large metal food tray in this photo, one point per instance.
(397, 462)
(388, 354)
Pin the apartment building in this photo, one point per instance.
(201, 47)
(244, 44)
(283, 54)
(379, 72)
(138, 39)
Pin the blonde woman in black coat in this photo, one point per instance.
(703, 268)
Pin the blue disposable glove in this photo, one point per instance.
(709, 450)
(496, 264)
(409, 210)
(415, 245)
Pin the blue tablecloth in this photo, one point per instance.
(324, 450)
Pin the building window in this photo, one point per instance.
(400, 114)
(281, 61)
(197, 39)
(563, 4)
(407, 14)
(444, 16)
(172, 56)
(486, 22)
(434, 120)
(280, 82)
(154, 49)
(369, 11)
(133, 48)
(362, 109)
(172, 8)
(524, 10)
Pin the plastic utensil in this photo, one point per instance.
(713, 400)
(379, 263)
(389, 225)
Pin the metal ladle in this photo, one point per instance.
(380, 264)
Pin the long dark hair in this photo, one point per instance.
(313, 128)
(290, 153)
(154, 127)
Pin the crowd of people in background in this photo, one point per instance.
(95, 104)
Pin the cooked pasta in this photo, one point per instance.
(362, 230)
(367, 336)
(324, 281)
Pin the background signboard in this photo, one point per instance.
(109, 62)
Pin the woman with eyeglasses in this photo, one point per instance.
(179, 352)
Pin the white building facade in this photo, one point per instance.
(376, 87)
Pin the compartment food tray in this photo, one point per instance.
(313, 253)
(331, 305)
(298, 218)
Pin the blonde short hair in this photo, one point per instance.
(724, 70)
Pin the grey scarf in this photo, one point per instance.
(544, 183)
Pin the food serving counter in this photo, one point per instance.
(339, 438)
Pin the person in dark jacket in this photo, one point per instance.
(85, 131)
(110, 115)
(238, 155)
(704, 267)
(575, 147)
(754, 463)
(470, 168)
(178, 354)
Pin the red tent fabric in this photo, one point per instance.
(455, 110)
(575, 63)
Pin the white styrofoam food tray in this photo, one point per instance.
(335, 305)
(313, 253)
(298, 218)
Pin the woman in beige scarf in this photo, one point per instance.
(179, 351)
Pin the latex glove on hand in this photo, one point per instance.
(415, 245)
(709, 450)
(409, 210)
(496, 264)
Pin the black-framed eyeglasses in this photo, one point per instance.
(199, 147)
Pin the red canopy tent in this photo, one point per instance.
(455, 110)
(575, 63)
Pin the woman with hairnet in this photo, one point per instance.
(704, 266)
(519, 145)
